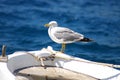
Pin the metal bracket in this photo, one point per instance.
(3, 57)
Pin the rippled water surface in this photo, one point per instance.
(22, 26)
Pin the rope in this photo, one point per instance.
(98, 63)
(41, 59)
(53, 55)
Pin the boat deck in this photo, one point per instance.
(49, 73)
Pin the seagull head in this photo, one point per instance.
(51, 24)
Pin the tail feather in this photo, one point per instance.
(86, 40)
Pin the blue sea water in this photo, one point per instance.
(22, 26)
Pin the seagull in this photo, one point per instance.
(62, 35)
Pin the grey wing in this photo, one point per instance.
(68, 35)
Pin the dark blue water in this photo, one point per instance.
(22, 26)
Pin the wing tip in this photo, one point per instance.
(86, 40)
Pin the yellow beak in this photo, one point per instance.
(46, 25)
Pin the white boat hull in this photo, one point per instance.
(20, 60)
